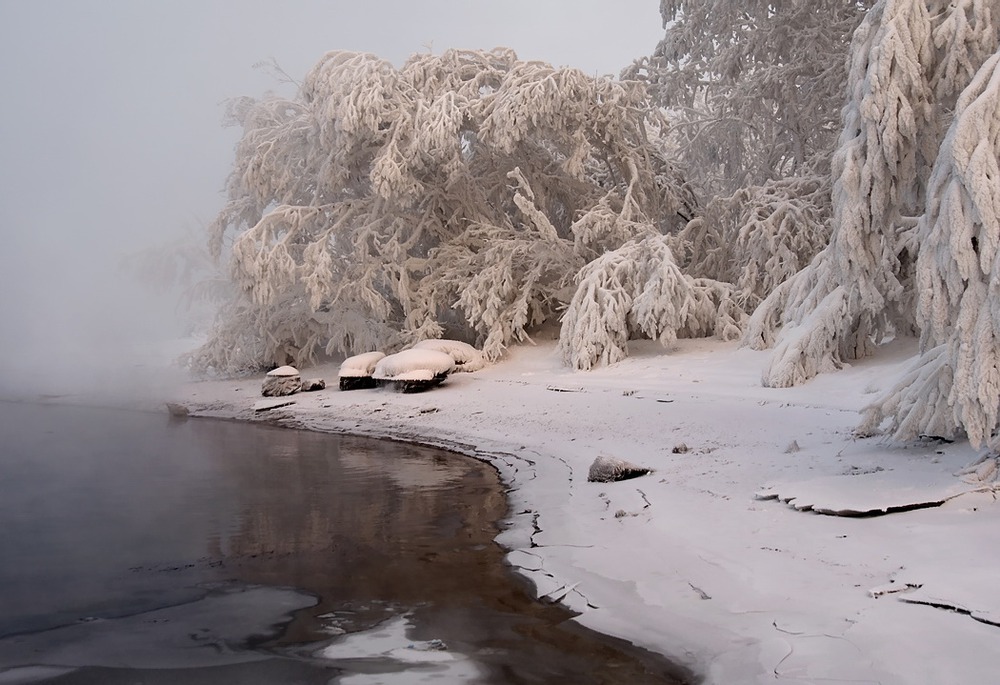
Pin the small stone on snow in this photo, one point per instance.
(611, 469)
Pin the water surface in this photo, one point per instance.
(143, 549)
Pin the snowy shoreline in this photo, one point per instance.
(703, 561)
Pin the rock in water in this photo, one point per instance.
(177, 410)
(284, 380)
(611, 469)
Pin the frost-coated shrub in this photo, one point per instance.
(760, 236)
(639, 291)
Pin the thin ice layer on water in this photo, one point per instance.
(386, 654)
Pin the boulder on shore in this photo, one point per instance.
(611, 469)
(284, 380)
(356, 372)
(413, 370)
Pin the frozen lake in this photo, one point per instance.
(141, 549)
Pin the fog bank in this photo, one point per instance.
(112, 142)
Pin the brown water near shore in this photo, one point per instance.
(145, 550)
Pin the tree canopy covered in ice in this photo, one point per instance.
(815, 178)
(458, 195)
(755, 86)
(909, 60)
(954, 385)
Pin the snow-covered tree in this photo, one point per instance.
(954, 386)
(756, 86)
(639, 291)
(759, 236)
(860, 288)
(458, 195)
(754, 90)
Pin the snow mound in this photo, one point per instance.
(283, 371)
(467, 358)
(403, 365)
(360, 365)
(415, 375)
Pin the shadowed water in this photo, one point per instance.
(139, 549)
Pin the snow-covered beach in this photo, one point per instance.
(718, 558)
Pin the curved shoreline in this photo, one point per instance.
(688, 562)
(519, 527)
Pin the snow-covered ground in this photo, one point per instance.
(717, 559)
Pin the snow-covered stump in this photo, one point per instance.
(612, 469)
(356, 372)
(284, 380)
(467, 358)
(413, 370)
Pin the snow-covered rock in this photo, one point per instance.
(356, 372)
(177, 410)
(284, 380)
(611, 469)
(409, 361)
(414, 370)
(467, 358)
(313, 384)
(360, 364)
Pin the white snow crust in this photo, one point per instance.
(414, 365)
(360, 365)
(689, 561)
(467, 358)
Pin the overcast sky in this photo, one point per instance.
(110, 133)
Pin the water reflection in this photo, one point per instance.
(117, 516)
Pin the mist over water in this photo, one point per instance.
(112, 143)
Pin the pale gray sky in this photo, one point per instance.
(110, 128)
